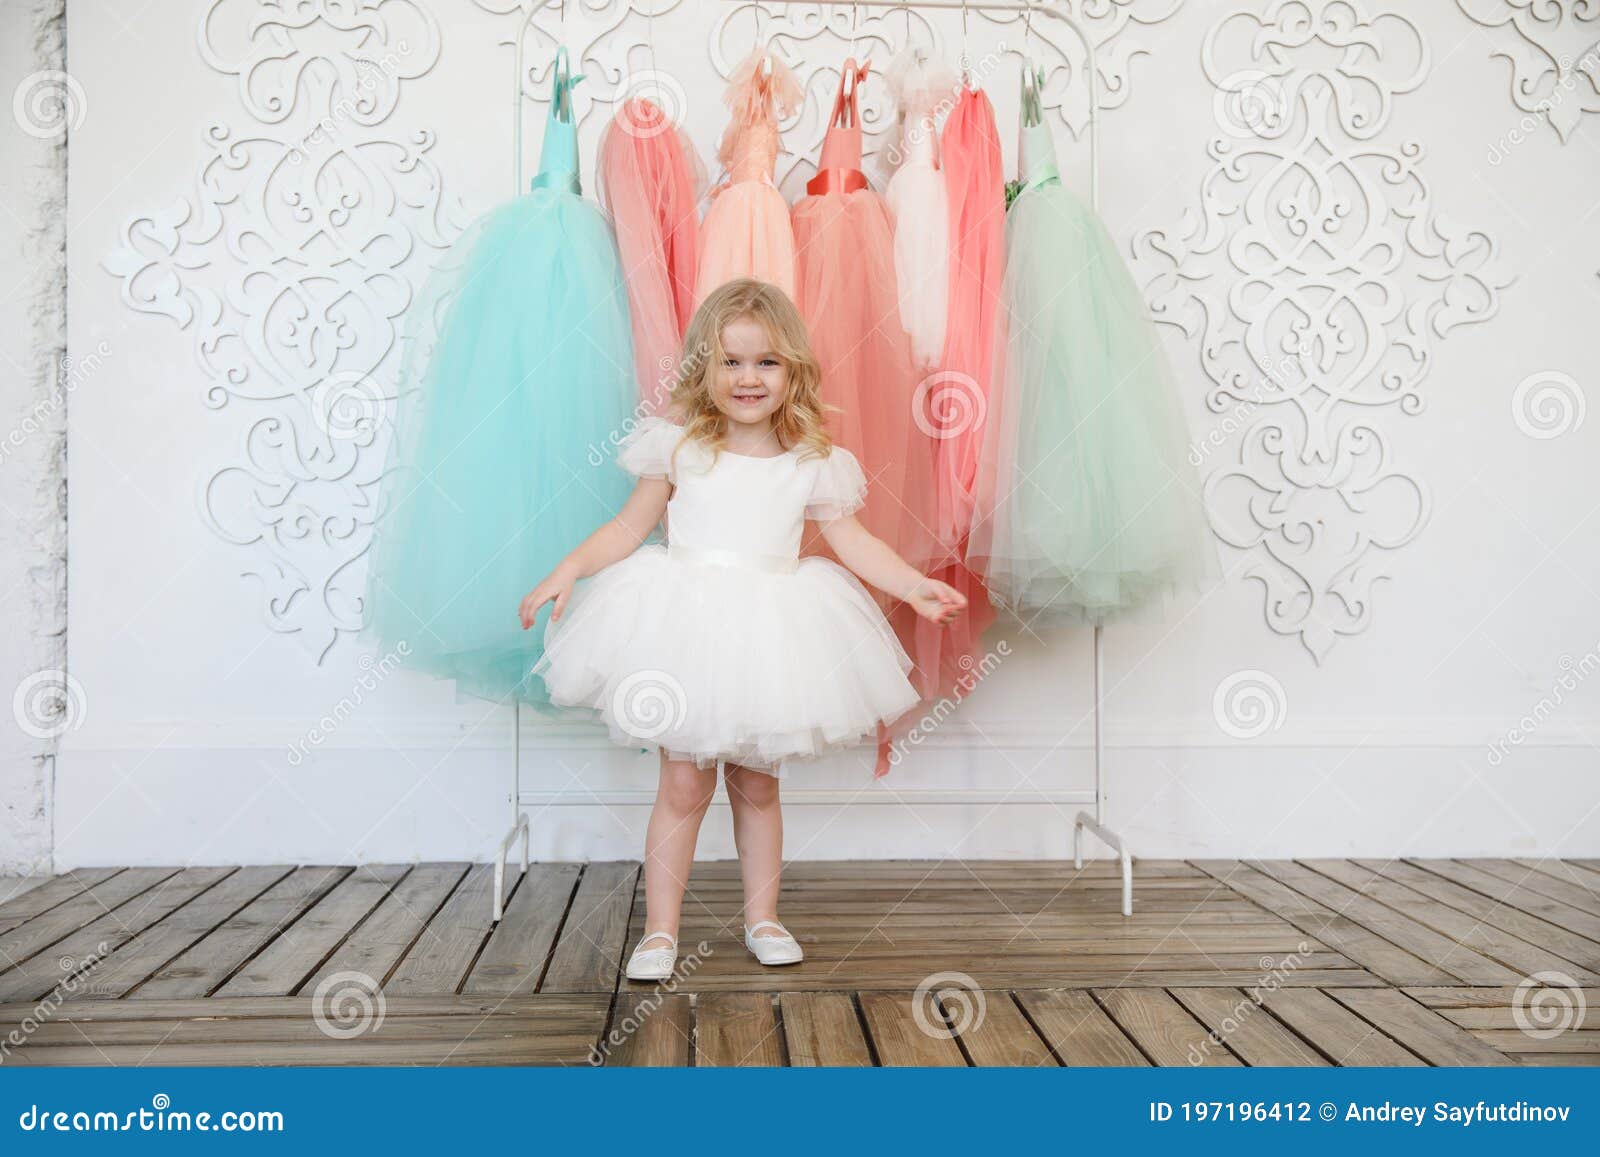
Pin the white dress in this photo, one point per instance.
(724, 644)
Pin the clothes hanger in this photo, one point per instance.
(847, 87)
(650, 39)
(1032, 112)
(561, 81)
(765, 70)
(966, 73)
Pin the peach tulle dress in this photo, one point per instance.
(846, 291)
(649, 179)
(746, 231)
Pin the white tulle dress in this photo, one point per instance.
(724, 645)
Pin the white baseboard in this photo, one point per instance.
(189, 804)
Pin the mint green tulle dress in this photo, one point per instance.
(1087, 505)
(501, 459)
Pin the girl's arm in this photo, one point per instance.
(876, 562)
(612, 542)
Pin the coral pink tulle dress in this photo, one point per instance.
(975, 184)
(845, 289)
(649, 182)
(953, 402)
(746, 231)
(847, 293)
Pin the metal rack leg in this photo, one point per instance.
(1096, 822)
(519, 818)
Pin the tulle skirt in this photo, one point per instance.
(497, 465)
(1087, 504)
(715, 662)
(746, 233)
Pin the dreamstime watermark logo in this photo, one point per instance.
(49, 703)
(1275, 971)
(948, 404)
(649, 703)
(644, 1009)
(74, 970)
(973, 672)
(1573, 672)
(352, 106)
(348, 1004)
(1248, 704)
(650, 102)
(48, 104)
(1566, 81)
(1548, 1004)
(1251, 103)
(74, 372)
(949, 1004)
(1548, 404)
(348, 406)
(373, 672)
(1235, 419)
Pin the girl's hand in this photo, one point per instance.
(556, 585)
(936, 601)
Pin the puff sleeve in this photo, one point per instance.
(838, 488)
(647, 449)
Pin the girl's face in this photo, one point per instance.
(752, 382)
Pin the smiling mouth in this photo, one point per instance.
(749, 397)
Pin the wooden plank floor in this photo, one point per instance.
(1228, 963)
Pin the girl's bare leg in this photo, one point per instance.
(682, 796)
(758, 834)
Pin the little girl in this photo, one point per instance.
(725, 648)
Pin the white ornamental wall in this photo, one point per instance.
(1375, 252)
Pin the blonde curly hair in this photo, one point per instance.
(799, 421)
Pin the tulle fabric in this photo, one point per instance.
(839, 488)
(846, 294)
(746, 231)
(719, 663)
(648, 178)
(919, 204)
(649, 449)
(742, 663)
(959, 405)
(488, 483)
(1088, 506)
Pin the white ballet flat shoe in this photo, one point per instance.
(653, 963)
(784, 949)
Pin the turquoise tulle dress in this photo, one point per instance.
(1087, 505)
(501, 457)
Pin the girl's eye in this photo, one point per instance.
(769, 361)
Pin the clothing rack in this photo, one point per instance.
(1094, 822)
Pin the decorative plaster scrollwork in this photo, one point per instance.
(1315, 523)
(1555, 63)
(292, 262)
(1316, 276)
